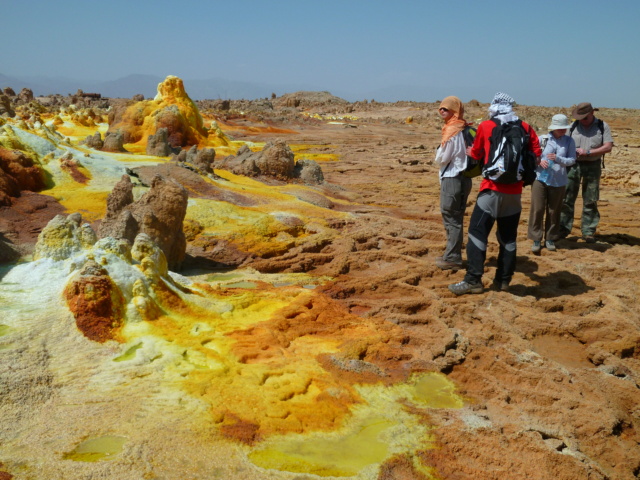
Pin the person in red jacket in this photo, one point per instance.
(496, 203)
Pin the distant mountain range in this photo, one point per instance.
(213, 88)
(225, 89)
(126, 87)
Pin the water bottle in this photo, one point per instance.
(543, 176)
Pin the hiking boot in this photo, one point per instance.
(536, 247)
(550, 246)
(589, 238)
(463, 288)
(501, 286)
(443, 264)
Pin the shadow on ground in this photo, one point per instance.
(550, 285)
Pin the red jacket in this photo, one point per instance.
(480, 151)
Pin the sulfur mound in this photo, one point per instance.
(171, 109)
(111, 280)
(64, 237)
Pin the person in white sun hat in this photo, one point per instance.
(547, 191)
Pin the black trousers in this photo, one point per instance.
(503, 209)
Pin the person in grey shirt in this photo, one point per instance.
(593, 139)
(547, 191)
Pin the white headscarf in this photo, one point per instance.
(502, 108)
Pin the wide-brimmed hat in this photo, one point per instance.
(582, 110)
(559, 122)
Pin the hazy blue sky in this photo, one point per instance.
(555, 53)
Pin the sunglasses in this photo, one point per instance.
(442, 109)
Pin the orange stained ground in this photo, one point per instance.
(231, 126)
(269, 361)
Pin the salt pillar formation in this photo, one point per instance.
(159, 213)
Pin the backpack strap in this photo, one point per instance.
(601, 128)
(497, 122)
(526, 133)
(444, 171)
(573, 126)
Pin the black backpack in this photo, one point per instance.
(474, 167)
(510, 159)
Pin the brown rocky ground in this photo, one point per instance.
(551, 369)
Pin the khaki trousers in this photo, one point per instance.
(544, 216)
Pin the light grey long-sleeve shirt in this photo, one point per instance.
(555, 175)
(452, 156)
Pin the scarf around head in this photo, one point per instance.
(455, 124)
(502, 108)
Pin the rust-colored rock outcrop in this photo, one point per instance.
(6, 109)
(17, 172)
(96, 303)
(275, 160)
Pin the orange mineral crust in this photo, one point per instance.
(277, 360)
(96, 303)
(75, 171)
